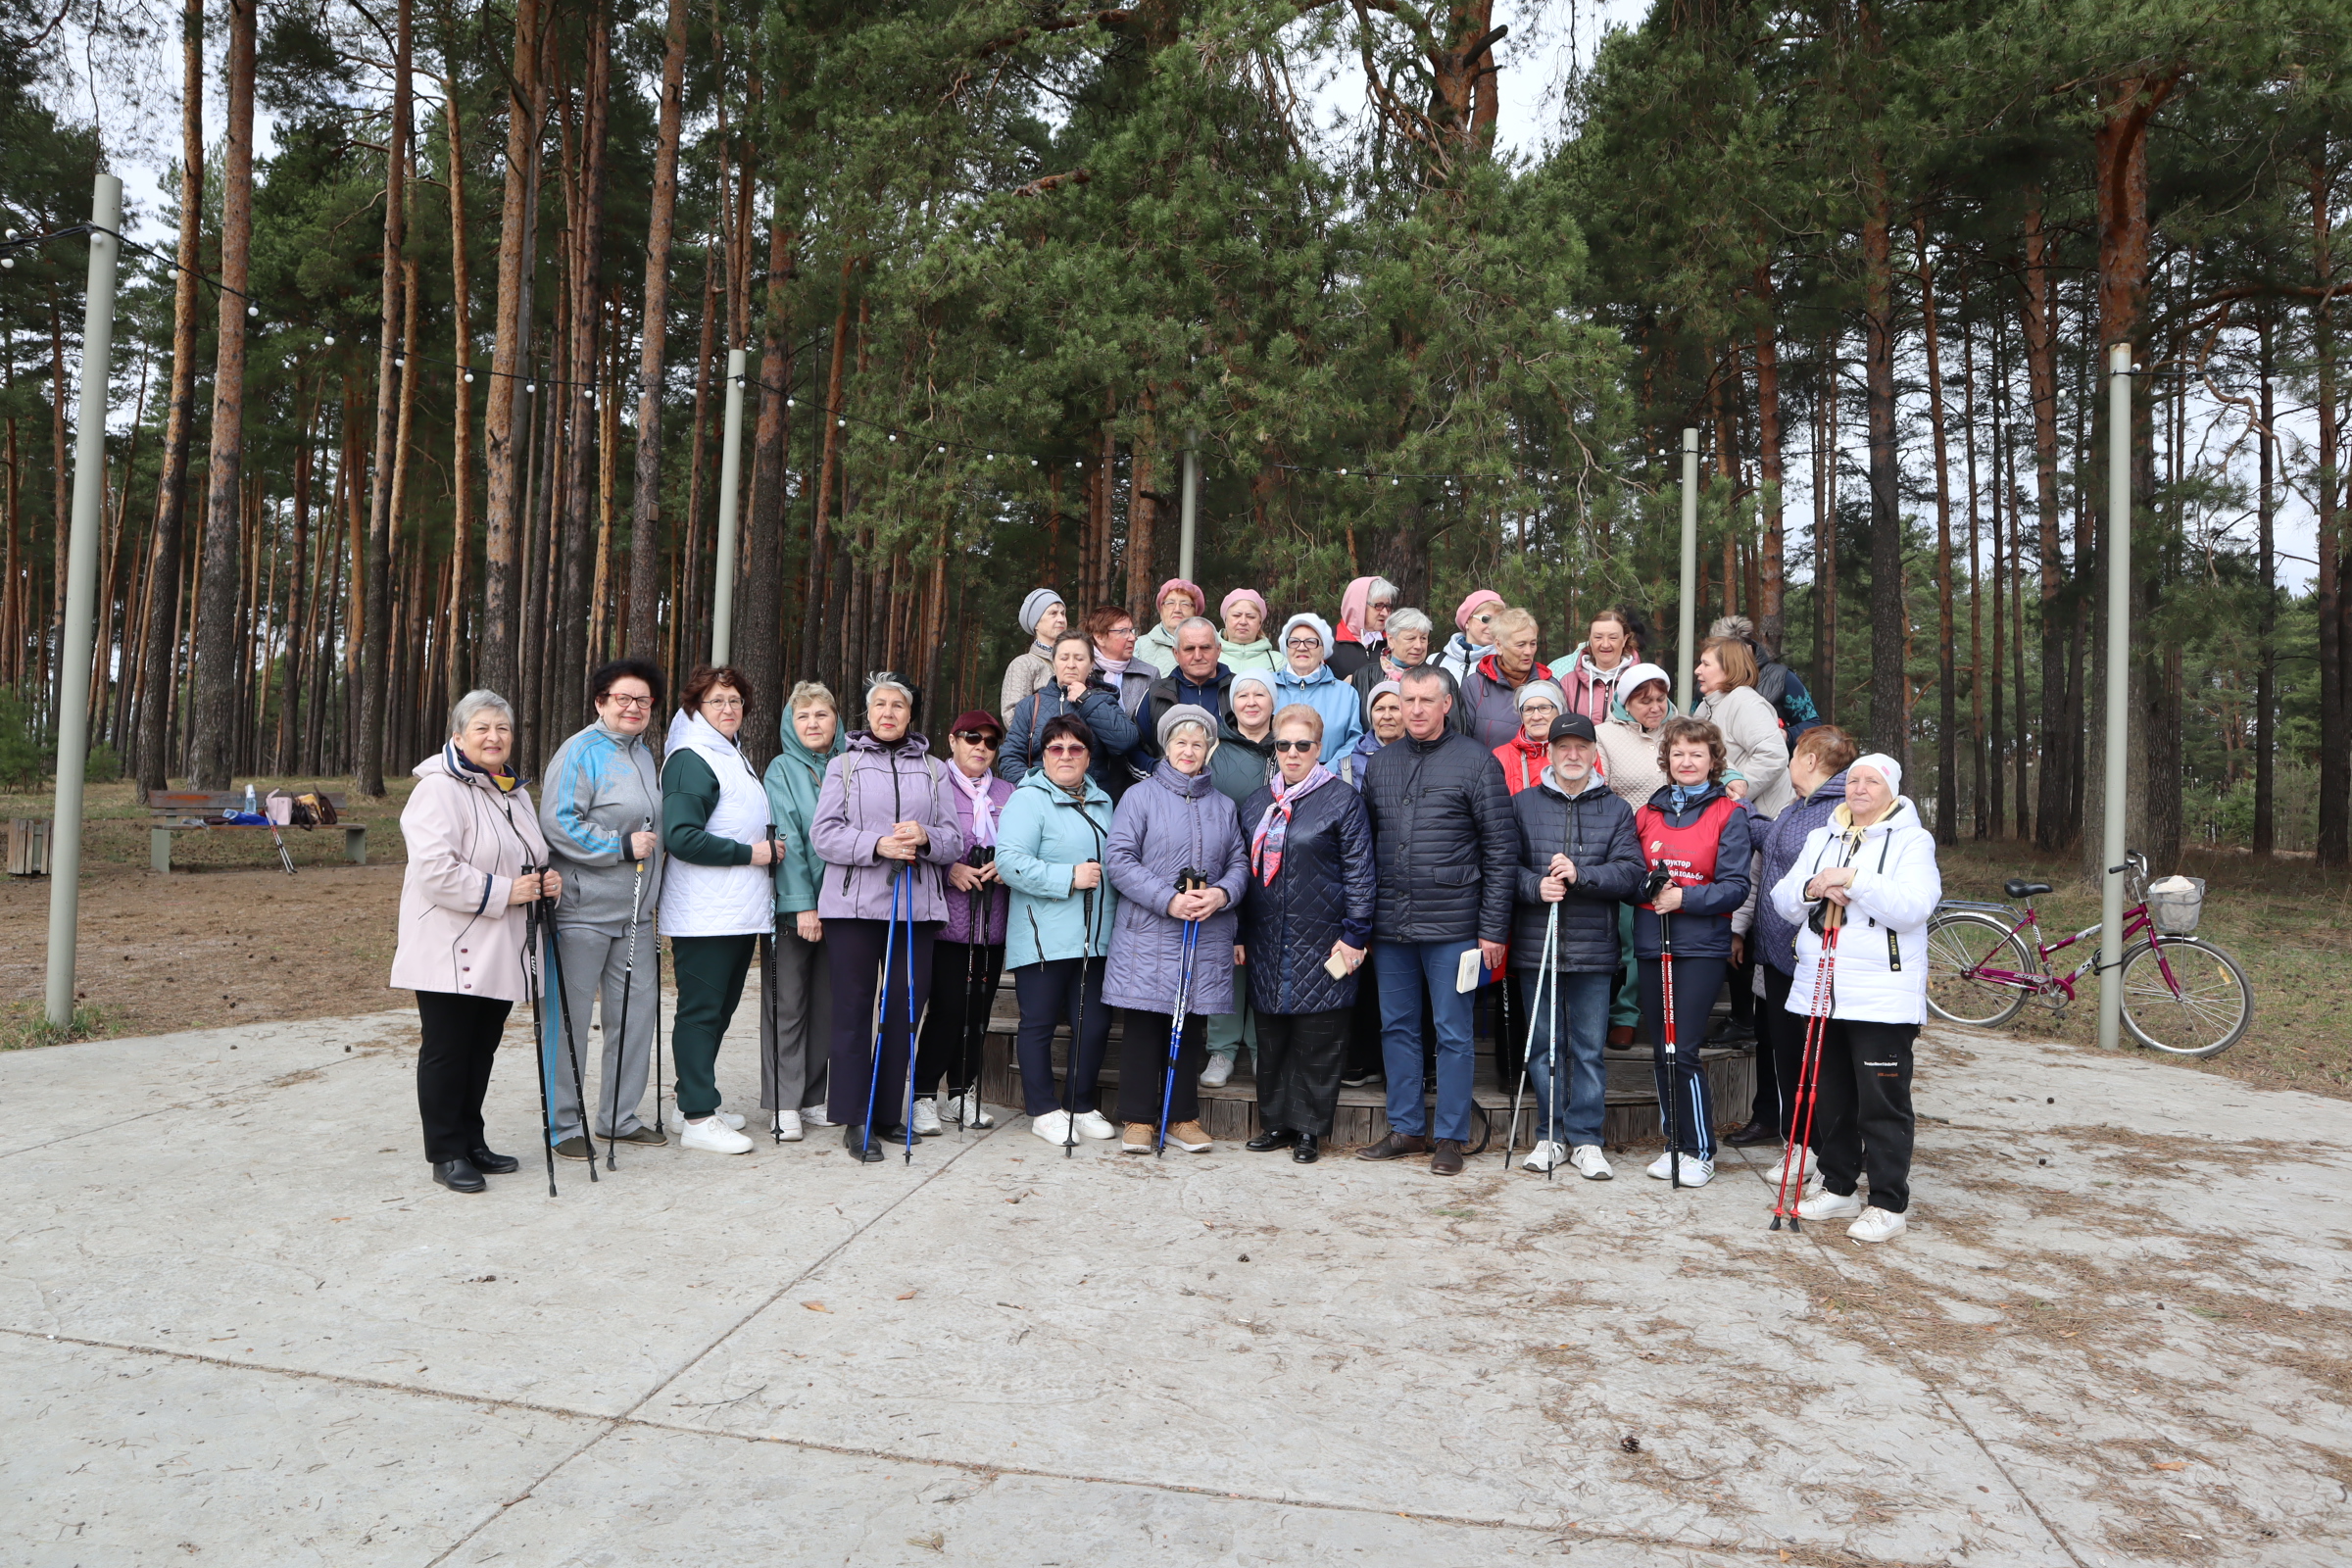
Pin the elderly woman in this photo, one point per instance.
(464, 926)
(1126, 673)
(1239, 767)
(1633, 772)
(1488, 711)
(1246, 645)
(1384, 710)
(1050, 852)
(886, 832)
(1474, 635)
(1526, 754)
(1872, 867)
(1043, 618)
(1365, 610)
(970, 949)
(1178, 601)
(1404, 647)
(1697, 834)
(795, 1025)
(1305, 677)
(1590, 672)
(1176, 857)
(1079, 690)
(1752, 739)
(719, 895)
(1308, 909)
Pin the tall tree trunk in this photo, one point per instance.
(1948, 723)
(1890, 617)
(367, 743)
(2266, 625)
(461, 542)
(1142, 513)
(502, 432)
(757, 643)
(171, 499)
(689, 635)
(289, 703)
(644, 513)
(820, 552)
(1771, 615)
(2335, 760)
(1976, 591)
(587, 251)
(2039, 329)
(1825, 533)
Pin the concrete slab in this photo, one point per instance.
(2114, 1334)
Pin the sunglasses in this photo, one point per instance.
(1065, 749)
(977, 737)
(1297, 746)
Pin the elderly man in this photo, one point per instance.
(1200, 679)
(1447, 853)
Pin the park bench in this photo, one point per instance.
(171, 810)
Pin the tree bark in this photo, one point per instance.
(820, 551)
(1890, 619)
(502, 431)
(453, 615)
(757, 642)
(2266, 627)
(368, 744)
(2060, 744)
(2335, 762)
(587, 254)
(217, 612)
(644, 513)
(1947, 739)
(1773, 570)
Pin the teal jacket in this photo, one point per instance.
(791, 781)
(1041, 837)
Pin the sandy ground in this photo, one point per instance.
(239, 1325)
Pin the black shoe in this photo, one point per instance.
(495, 1164)
(1358, 1079)
(1736, 1035)
(867, 1151)
(1272, 1138)
(1308, 1149)
(642, 1135)
(458, 1175)
(1447, 1160)
(1757, 1131)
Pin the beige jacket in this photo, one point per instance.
(468, 842)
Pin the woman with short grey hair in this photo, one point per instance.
(474, 854)
(1405, 645)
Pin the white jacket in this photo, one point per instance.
(1881, 972)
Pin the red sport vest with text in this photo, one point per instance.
(1688, 851)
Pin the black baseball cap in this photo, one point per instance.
(1572, 727)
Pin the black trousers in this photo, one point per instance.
(1143, 1066)
(452, 1069)
(1298, 1058)
(1363, 1024)
(1695, 982)
(1049, 994)
(1779, 1038)
(1864, 1120)
(853, 1079)
(944, 1050)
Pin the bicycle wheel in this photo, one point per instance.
(2201, 1008)
(1961, 945)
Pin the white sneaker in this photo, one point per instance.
(1696, 1173)
(1590, 1162)
(974, 1114)
(1091, 1124)
(714, 1137)
(1217, 1073)
(1877, 1225)
(813, 1116)
(787, 1127)
(1053, 1127)
(1544, 1156)
(733, 1121)
(1805, 1161)
(926, 1118)
(1830, 1205)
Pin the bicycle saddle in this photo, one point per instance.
(2017, 888)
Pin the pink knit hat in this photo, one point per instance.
(1200, 598)
(1243, 596)
(1478, 597)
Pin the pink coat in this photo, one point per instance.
(468, 842)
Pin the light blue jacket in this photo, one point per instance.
(1041, 837)
(1339, 703)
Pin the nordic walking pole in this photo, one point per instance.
(874, 1072)
(658, 1127)
(912, 1024)
(977, 929)
(768, 974)
(1184, 999)
(1672, 1086)
(530, 980)
(1553, 1049)
(1799, 1146)
(1551, 938)
(628, 973)
(1070, 1074)
(571, 1043)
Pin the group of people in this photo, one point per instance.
(1323, 845)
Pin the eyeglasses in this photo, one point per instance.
(1299, 644)
(1297, 746)
(620, 701)
(1120, 631)
(1065, 749)
(977, 737)
(722, 703)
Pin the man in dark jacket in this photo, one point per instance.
(1199, 678)
(1578, 855)
(1448, 849)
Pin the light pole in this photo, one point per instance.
(2119, 688)
(730, 474)
(1687, 623)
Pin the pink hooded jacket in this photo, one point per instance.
(468, 841)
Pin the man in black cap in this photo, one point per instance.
(1578, 851)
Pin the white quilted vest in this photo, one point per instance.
(720, 901)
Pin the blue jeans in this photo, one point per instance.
(1403, 969)
(1585, 1009)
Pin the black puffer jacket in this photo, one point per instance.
(1321, 895)
(1594, 829)
(1448, 846)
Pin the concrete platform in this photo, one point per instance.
(241, 1325)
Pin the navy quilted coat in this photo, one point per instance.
(1447, 844)
(1594, 829)
(1323, 894)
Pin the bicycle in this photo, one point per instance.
(2183, 994)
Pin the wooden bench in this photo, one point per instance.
(168, 809)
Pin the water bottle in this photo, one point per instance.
(250, 808)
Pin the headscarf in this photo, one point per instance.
(1265, 845)
(1469, 607)
(1034, 607)
(1355, 602)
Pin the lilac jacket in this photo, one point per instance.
(959, 904)
(866, 789)
(1167, 823)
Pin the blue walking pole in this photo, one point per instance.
(1183, 1001)
(907, 1105)
(874, 1072)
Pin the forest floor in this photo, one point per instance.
(229, 937)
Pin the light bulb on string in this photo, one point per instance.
(251, 310)
(469, 379)
(330, 340)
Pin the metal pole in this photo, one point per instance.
(82, 599)
(2118, 687)
(1687, 623)
(730, 485)
(1188, 530)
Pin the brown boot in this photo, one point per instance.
(1447, 1160)
(1620, 1035)
(1396, 1145)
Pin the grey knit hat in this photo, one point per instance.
(1034, 607)
(1183, 713)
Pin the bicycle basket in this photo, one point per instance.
(2174, 904)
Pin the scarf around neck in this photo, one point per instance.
(1265, 845)
(1682, 794)
(983, 805)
